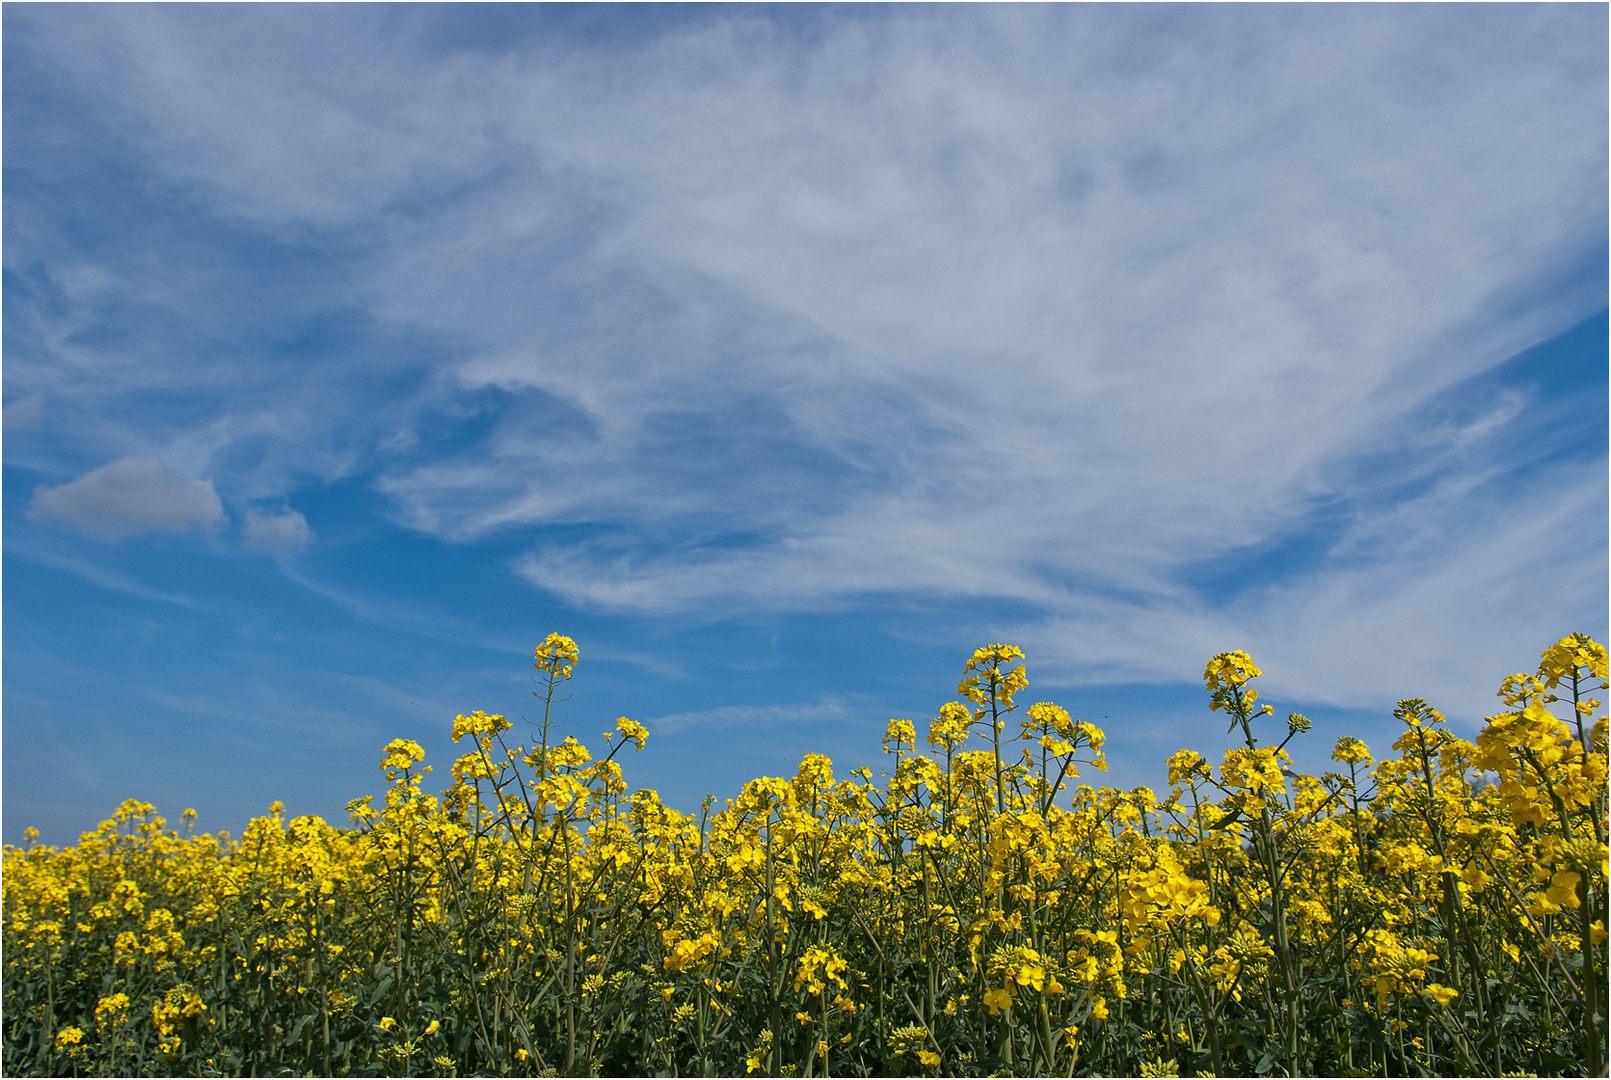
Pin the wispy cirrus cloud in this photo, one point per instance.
(1084, 310)
(99, 575)
(759, 718)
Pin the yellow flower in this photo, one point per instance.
(1350, 751)
(819, 966)
(1044, 719)
(478, 723)
(556, 655)
(401, 754)
(1226, 672)
(111, 1010)
(1563, 889)
(631, 729)
(988, 679)
(957, 866)
(1441, 994)
(1184, 765)
(899, 736)
(757, 1056)
(1562, 659)
(949, 730)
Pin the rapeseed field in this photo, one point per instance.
(978, 909)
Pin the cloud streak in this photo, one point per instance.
(99, 575)
(754, 717)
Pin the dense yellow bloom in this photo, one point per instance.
(818, 967)
(632, 731)
(989, 679)
(111, 1010)
(1154, 898)
(557, 655)
(539, 914)
(1226, 672)
(478, 723)
(401, 754)
(686, 952)
(949, 730)
(1561, 660)
(1392, 966)
(1351, 751)
(1184, 765)
(1045, 720)
(1258, 771)
(899, 736)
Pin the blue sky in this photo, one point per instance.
(781, 356)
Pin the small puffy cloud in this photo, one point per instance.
(129, 497)
(277, 532)
(21, 413)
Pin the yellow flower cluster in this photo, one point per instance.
(973, 912)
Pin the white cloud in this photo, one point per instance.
(277, 533)
(1045, 305)
(98, 575)
(22, 413)
(758, 717)
(129, 497)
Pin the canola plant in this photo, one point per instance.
(1441, 911)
